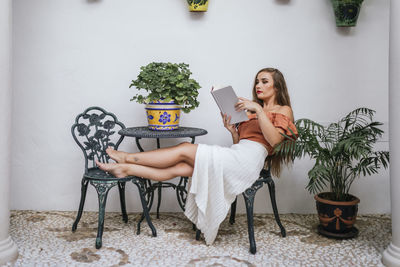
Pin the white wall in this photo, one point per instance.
(8, 249)
(5, 119)
(69, 55)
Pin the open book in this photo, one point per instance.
(226, 100)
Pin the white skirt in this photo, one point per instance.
(219, 175)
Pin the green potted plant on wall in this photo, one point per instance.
(343, 151)
(346, 12)
(169, 89)
(198, 5)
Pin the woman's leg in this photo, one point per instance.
(159, 158)
(121, 170)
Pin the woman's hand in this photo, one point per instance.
(227, 123)
(246, 104)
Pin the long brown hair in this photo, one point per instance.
(282, 99)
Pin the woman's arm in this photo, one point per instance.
(270, 132)
(231, 128)
(235, 138)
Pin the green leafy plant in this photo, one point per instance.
(167, 81)
(342, 151)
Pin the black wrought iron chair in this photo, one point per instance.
(94, 131)
(249, 195)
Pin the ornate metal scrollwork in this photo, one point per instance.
(181, 192)
(93, 131)
(146, 188)
(251, 191)
(103, 187)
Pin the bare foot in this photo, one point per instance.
(118, 156)
(116, 169)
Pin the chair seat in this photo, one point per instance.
(95, 174)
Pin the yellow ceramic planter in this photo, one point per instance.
(198, 5)
(163, 116)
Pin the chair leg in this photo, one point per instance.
(149, 191)
(233, 212)
(102, 192)
(198, 232)
(159, 200)
(139, 223)
(249, 201)
(121, 189)
(145, 213)
(84, 185)
(271, 187)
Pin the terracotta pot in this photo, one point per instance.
(337, 218)
(346, 12)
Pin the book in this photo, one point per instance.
(226, 99)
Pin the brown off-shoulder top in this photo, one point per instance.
(251, 129)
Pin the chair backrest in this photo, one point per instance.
(94, 130)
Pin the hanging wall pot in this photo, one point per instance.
(198, 5)
(346, 12)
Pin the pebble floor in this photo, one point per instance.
(45, 239)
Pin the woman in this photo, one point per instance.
(219, 174)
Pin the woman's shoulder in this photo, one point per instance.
(284, 110)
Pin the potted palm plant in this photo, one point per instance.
(343, 151)
(169, 89)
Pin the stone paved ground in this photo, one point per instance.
(45, 239)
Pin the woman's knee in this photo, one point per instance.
(188, 152)
(184, 145)
(182, 169)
